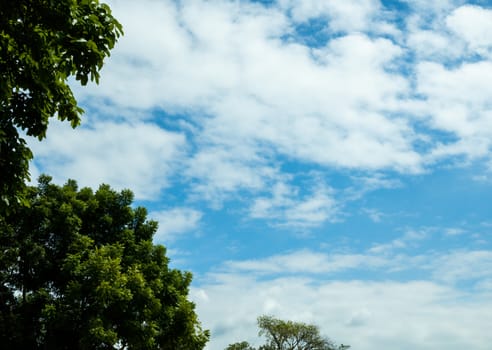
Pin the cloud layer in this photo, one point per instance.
(383, 312)
(370, 94)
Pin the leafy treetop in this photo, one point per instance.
(288, 335)
(42, 44)
(78, 270)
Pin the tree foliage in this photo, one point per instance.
(288, 335)
(42, 44)
(78, 270)
(244, 345)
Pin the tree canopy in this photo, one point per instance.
(42, 44)
(78, 270)
(244, 345)
(288, 335)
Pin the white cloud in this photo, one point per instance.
(408, 240)
(369, 183)
(175, 222)
(452, 70)
(473, 24)
(433, 45)
(454, 231)
(341, 16)
(466, 85)
(138, 156)
(464, 266)
(305, 261)
(288, 207)
(219, 173)
(374, 214)
(457, 102)
(385, 259)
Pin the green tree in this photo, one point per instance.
(78, 270)
(42, 44)
(240, 346)
(289, 335)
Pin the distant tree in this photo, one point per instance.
(240, 346)
(78, 270)
(289, 335)
(42, 44)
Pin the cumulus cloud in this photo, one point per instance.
(433, 46)
(218, 173)
(472, 24)
(139, 156)
(454, 109)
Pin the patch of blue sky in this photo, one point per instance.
(182, 121)
(176, 122)
(308, 172)
(429, 137)
(397, 6)
(445, 197)
(172, 196)
(262, 2)
(313, 33)
(452, 63)
(481, 3)
(230, 238)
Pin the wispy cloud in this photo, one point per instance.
(460, 266)
(308, 262)
(409, 238)
(287, 206)
(175, 222)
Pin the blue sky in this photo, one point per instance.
(321, 161)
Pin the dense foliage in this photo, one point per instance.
(42, 44)
(78, 270)
(244, 345)
(288, 335)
